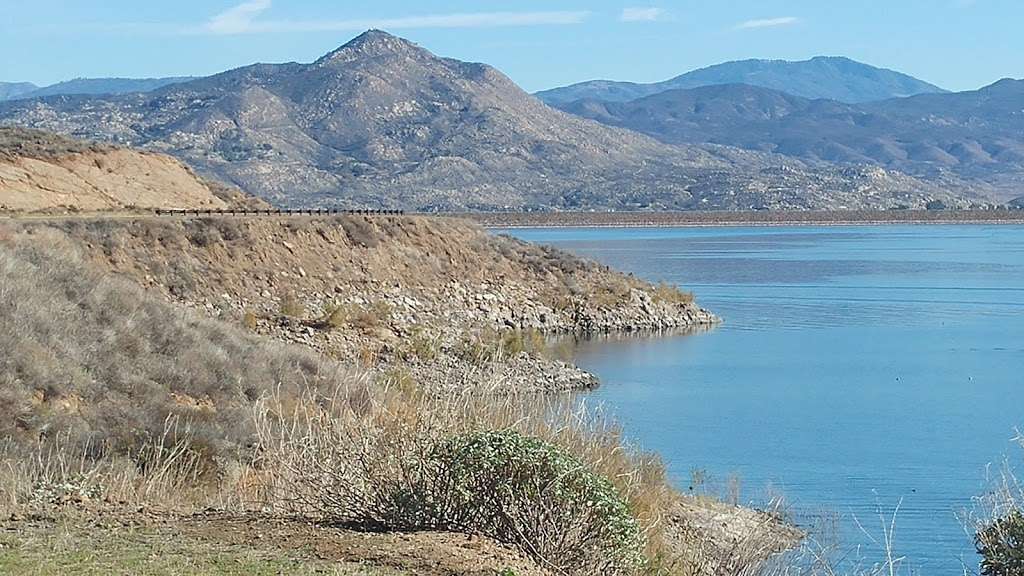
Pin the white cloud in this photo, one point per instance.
(243, 19)
(641, 14)
(237, 20)
(768, 23)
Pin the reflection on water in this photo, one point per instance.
(856, 366)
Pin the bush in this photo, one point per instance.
(370, 318)
(1001, 545)
(529, 493)
(250, 320)
(335, 316)
(360, 231)
(535, 473)
(421, 346)
(609, 296)
(103, 364)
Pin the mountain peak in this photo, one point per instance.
(369, 44)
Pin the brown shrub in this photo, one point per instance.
(335, 316)
(250, 321)
(360, 231)
(370, 318)
(291, 307)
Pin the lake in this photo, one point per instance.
(857, 367)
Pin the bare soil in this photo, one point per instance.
(79, 541)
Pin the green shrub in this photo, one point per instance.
(528, 493)
(1001, 545)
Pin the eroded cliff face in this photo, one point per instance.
(112, 180)
(44, 172)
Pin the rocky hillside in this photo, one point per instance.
(40, 171)
(437, 297)
(968, 140)
(833, 78)
(381, 122)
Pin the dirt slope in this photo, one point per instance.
(39, 171)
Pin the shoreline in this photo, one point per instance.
(761, 218)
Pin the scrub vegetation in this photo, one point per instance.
(113, 398)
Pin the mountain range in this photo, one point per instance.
(20, 90)
(834, 78)
(381, 122)
(966, 139)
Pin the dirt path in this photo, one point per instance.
(87, 542)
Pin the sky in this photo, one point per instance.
(956, 44)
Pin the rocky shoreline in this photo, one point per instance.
(430, 340)
(650, 219)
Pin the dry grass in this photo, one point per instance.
(103, 365)
(350, 457)
(671, 294)
(24, 142)
(172, 476)
(488, 346)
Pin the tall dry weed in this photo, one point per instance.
(356, 456)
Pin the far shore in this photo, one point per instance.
(748, 218)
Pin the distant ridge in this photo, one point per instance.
(89, 86)
(10, 90)
(976, 136)
(832, 77)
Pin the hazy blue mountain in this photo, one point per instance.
(97, 86)
(10, 90)
(976, 136)
(835, 78)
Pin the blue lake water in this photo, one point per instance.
(857, 366)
